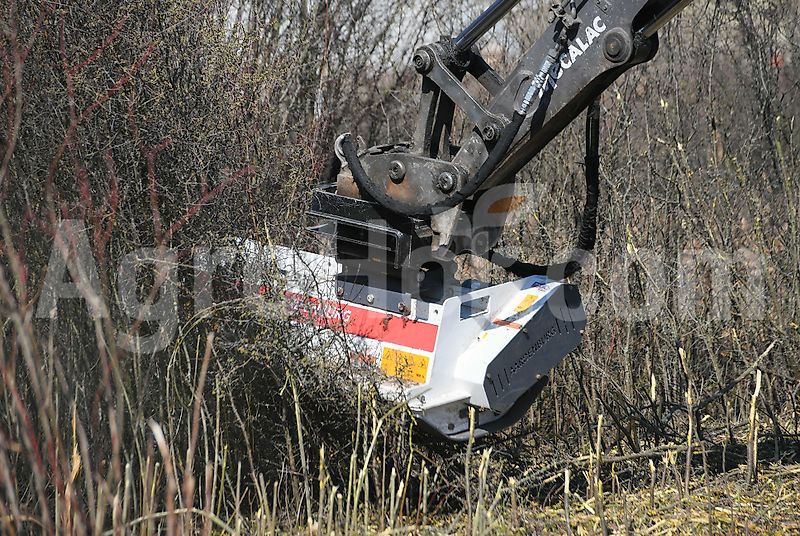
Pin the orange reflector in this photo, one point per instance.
(507, 204)
(404, 365)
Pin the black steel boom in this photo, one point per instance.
(428, 183)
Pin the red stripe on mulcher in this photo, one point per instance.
(363, 322)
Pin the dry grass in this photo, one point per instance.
(172, 124)
(721, 505)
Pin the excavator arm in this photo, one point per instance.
(422, 187)
(392, 212)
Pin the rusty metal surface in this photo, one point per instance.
(601, 46)
(600, 41)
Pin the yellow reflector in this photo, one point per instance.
(526, 302)
(404, 365)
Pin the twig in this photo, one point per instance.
(159, 515)
(722, 392)
(582, 461)
(733, 383)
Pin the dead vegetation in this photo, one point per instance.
(171, 125)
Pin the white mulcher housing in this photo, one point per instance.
(490, 348)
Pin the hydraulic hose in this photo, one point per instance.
(587, 233)
(378, 193)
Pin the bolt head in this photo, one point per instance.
(446, 182)
(616, 47)
(370, 298)
(397, 171)
(422, 61)
(490, 132)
